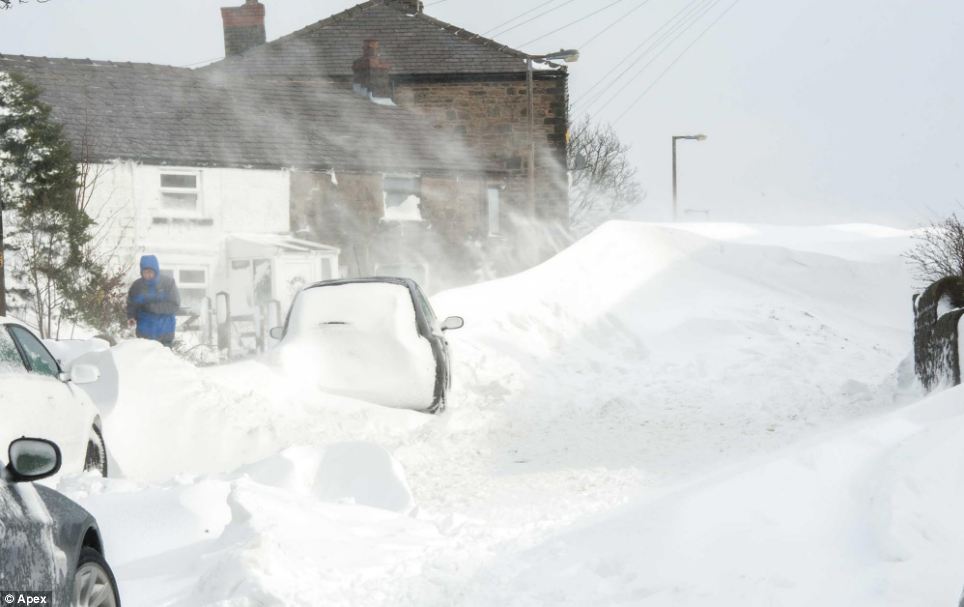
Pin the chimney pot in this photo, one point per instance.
(243, 27)
(411, 6)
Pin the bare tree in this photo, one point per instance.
(939, 251)
(604, 181)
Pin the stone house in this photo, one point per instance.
(468, 86)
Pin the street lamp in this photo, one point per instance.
(567, 55)
(675, 139)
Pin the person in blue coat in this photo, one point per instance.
(152, 302)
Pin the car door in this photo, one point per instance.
(55, 411)
(31, 559)
(23, 399)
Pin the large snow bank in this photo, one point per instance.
(642, 358)
(658, 348)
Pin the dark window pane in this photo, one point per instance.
(10, 360)
(179, 181)
(37, 355)
(403, 185)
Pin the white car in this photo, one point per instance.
(374, 339)
(38, 399)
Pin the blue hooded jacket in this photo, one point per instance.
(153, 303)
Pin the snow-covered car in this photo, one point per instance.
(38, 399)
(374, 339)
(53, 552)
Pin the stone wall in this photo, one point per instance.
(492, 117)
(450, 242)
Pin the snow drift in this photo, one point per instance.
(643, 359)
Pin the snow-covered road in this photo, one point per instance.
(655, 416)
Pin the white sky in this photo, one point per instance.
(816, 110)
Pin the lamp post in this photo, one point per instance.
(675, 139)
(567, 55)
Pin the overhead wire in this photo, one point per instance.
(632, 54)
(674, 62)
(528, 12)
(531, 19)
(619, 20)
(669, 37)
(571, 23)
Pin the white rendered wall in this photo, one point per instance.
(126, 204)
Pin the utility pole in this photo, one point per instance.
(675, 197)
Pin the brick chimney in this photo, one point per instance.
(371, 72)
(410, 6)
(243, 27)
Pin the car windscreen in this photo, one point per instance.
(366, 306)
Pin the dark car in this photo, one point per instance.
(375, 339)
(52, 551)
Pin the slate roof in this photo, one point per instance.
(415, 44)
(166, 115)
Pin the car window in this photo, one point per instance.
(10, 359)
(426, 307)
(37, 355)
(371, 307)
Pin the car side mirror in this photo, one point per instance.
(452, 323)
(277, 332)
(32, 459)
(84, 374)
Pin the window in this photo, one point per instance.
(403, 198)
(179, 192)
(192, 284)
(10, 360)
(39, 358)
(493, 205)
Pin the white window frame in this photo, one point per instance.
(408, 176)
(196, 190)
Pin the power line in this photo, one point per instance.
(613, 24)
(675, 61)
(203, 62)
(676, 36)
(629, 56)
(530, 20)
(672, 34)
(528, 12)
(570, 24)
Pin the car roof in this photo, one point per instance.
(395, 280)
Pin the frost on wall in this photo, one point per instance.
(937, 347)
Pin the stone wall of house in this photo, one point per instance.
(492, 117)
(451, 242)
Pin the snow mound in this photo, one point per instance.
(352, 473)
(658, 347)
(661, 368)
